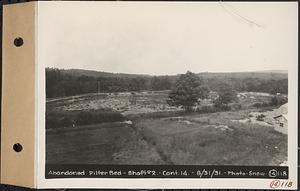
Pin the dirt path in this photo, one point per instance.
(166, 159)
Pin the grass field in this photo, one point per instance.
(151, 132)
(214, 139)
(106, 143)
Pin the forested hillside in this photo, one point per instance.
(60, 83)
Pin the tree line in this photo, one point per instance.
(60, 84)
(190, 90)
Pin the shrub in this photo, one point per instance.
(278, 100)
(235, 106)
(260, 117)
(223, 107)
(275, 101)
(214, 108)
(61, 119)
(263, 104)
(97, 116)
(207, 109)
(156, 114)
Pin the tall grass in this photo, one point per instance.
(203, 143)
(65, 119)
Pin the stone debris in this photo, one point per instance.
(187, 122)
(284, 163)
(268, 119)
(247, 94)
(126, 103)
(223, 128)
(129, 122)
(242, 120)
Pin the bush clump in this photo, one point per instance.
(65, 119)
(207, 109)
(260, 117)
(275, 101)
(259, 105)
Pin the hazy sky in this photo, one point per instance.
(168, 38)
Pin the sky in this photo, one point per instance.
(165, 38)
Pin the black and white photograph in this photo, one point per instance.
(168, 83)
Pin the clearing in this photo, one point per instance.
(155, 133)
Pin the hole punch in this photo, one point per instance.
(18, 42)
(18, 147)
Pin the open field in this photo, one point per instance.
(151, 132)
(106, 143)
(214, 139)
(136, 103)
(125, 102)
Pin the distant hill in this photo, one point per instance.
(62, 83)
(274, 71)
(243, 75)
(270, 74)
(98, 74)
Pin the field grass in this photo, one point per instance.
(106, 143)
(91, 130)
(197, 140)
(68, 119)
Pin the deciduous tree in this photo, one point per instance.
(188, 89)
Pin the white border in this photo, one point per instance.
(165, 183)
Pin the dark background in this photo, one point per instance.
(14, 188)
